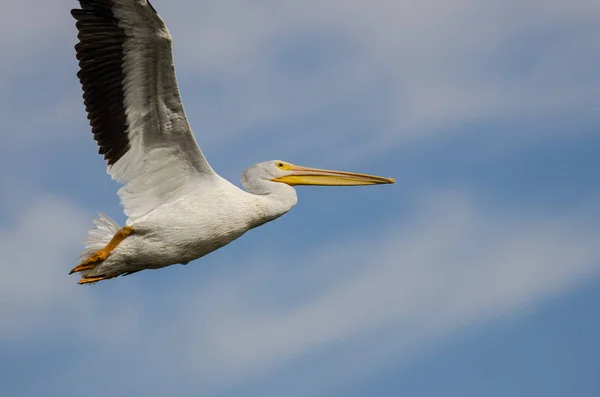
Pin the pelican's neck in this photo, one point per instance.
(273, 199)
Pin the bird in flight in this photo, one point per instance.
(178, 208)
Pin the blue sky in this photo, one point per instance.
(477, 273)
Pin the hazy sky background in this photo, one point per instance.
(476, 274)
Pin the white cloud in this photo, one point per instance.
(36, 294)
(455, 265)
(28, 35)
(435, 66)
(412, 70)
(409, 283)
(32, 252)
(426, 68)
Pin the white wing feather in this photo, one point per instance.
(164, 160)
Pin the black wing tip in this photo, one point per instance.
(151, 6)
(86, 7)
(92, 7)
(100, 52)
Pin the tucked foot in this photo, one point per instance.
(95, 279)
(100, 256)
(92, 280)
(92, 261)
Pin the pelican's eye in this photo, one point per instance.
(284, 166)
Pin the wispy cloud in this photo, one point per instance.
(35, 256)
(453, 264)
(413, 71)
(341, 80)
(436, 66)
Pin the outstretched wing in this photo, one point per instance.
(133, 103)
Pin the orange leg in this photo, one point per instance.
(101, 255)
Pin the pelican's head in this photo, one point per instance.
(274, 179)
(290, 174)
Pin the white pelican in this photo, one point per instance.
(178, 209)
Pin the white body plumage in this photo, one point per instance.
(209, 216)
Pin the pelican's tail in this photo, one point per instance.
(99, 237)
(99, 243)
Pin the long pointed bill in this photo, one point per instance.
(314, 176)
